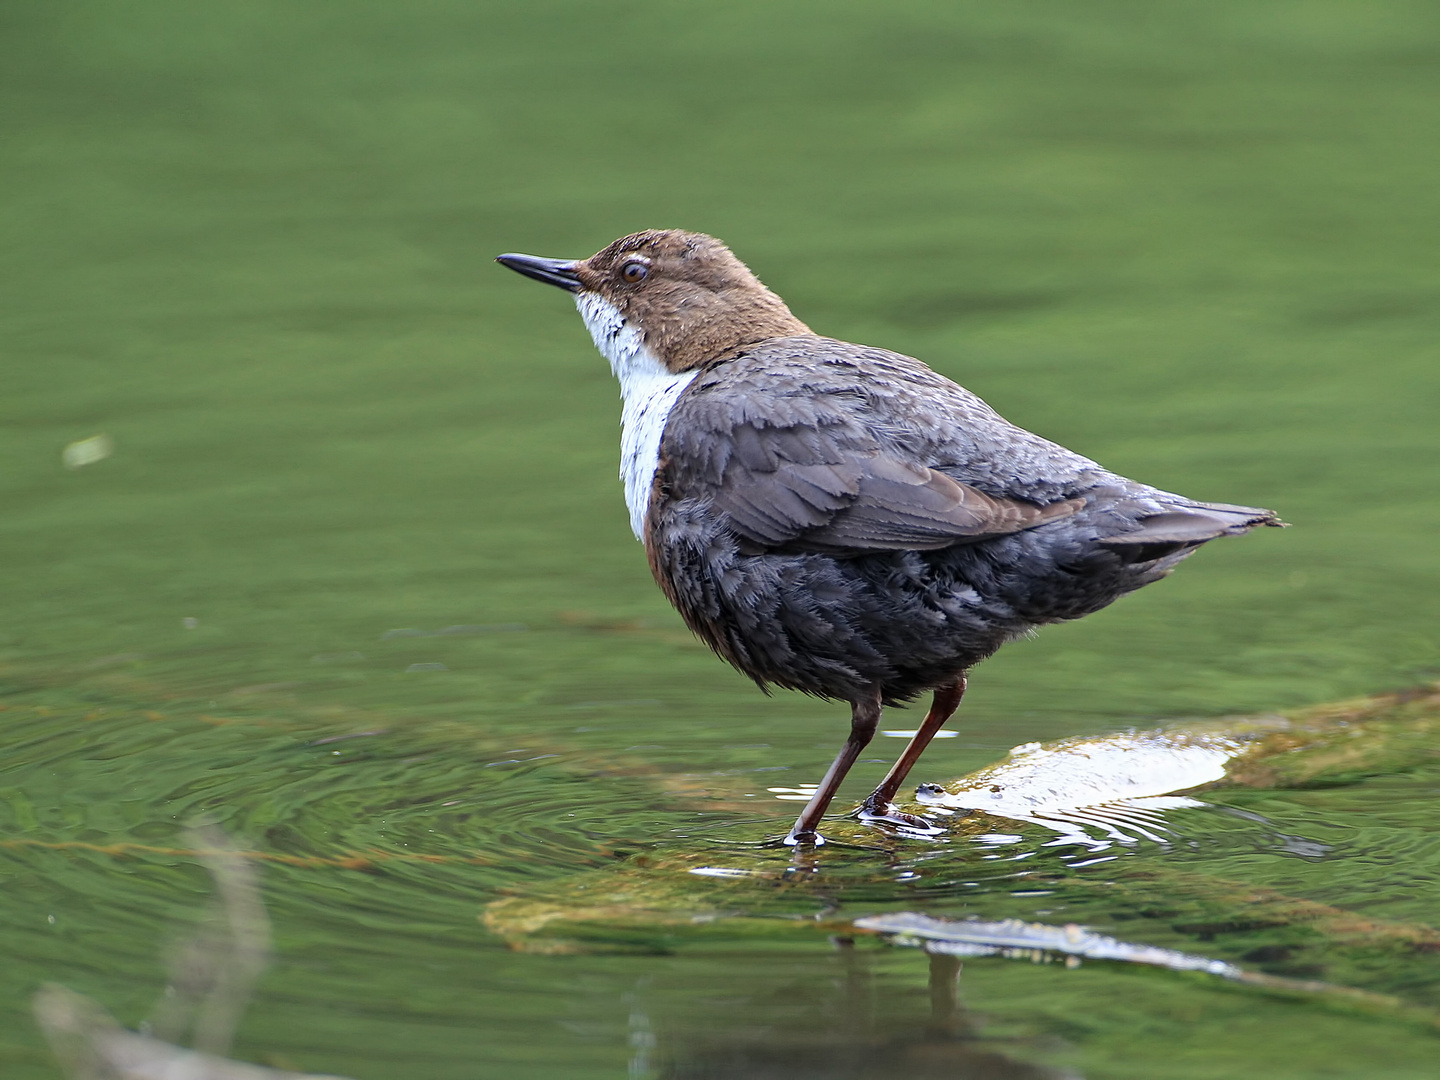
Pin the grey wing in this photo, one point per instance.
(819, 475)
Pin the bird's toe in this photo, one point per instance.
(889, 816)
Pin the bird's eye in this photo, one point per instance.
(632, 272)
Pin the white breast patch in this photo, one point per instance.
(649, 390)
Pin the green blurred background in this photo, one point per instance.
(251, 245)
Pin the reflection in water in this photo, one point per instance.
(846, 1028)
(641, 1039)
(1281, 843)
(1015, 938)
(404, 829)
(843, 1025)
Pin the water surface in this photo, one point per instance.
(355, 581)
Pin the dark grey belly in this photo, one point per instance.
(905, 621)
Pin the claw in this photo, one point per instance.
(889, 814)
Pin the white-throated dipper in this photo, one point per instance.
(840, 519)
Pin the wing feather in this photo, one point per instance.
(807, 487)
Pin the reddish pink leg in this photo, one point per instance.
(864, 719)
(878, 805)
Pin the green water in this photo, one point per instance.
(251, 244)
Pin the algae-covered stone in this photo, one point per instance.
(1123, 783)
(1343, 742)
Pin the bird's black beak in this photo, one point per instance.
(551, 271)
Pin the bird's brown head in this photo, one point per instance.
(688, 297)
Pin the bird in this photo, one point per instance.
(840, 519)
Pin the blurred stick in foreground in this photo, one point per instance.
(213, 973)
(211, 977)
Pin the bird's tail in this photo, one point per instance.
(1184, 525)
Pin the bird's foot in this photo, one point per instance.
(873, 812)
(805, 844)
(803, 840)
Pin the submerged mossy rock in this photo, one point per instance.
(660, 899)
(1146, 771)
(1342, 742)
(649, 902)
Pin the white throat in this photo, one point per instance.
(649, 390)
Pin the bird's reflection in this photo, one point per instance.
(845, 1027)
